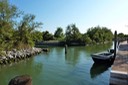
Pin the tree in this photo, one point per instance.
(100, 34)
(8, 13)
(37, 36)
(47, 36)
(107, 33)
(72, 33)
(25, 29)
(59, 33)
(21, 36)
(121, 35)
(68, 33)
(86, 39)
(76, 35)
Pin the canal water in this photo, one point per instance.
(56, 68)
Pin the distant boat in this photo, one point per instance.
(106, 57)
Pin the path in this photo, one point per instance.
(119, 71)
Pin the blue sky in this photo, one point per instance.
(84, 13)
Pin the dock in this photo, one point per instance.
(119, 70)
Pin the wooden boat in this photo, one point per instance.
(103, 57)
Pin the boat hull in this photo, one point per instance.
(100, 58)
(96, 60)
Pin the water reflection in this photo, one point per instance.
(73, 54)
(98, 48)
(29, 67)
(98, 69)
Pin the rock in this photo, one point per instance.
(14, 50)
(1, 61)
(15, 55)
(21, 80)
(9, 56)
(4, 57)
(45, 49)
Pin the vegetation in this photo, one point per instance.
(23, 34)
(59, 34)
(7, 14)
(47, 36)
(100, 34)
(72, 33)
(122, 37)
(94, 35)
(14, 34)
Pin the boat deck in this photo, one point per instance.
(119, 70)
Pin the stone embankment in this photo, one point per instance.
(16, 55)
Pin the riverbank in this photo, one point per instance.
(119, 71)
(59, 43)
(54, 43)
(16, 55)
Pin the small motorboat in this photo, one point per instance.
(106, 57)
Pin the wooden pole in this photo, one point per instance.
(66, 48)
(115, 43)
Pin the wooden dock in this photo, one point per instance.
(119, 70)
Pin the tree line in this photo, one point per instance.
(92, 36)
(73, 35)
(122, 35)
(19, 30)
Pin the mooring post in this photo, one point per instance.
(66, 48)
(127, 40)
(115, 43)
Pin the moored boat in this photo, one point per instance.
(103, 57)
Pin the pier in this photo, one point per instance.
(119, 70)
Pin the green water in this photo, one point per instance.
(56, 68)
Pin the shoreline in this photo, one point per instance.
(16, 55)
(63, 43)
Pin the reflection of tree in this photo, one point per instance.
(73, 54)
(58, 50)
(98, 69)
(98, 48)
